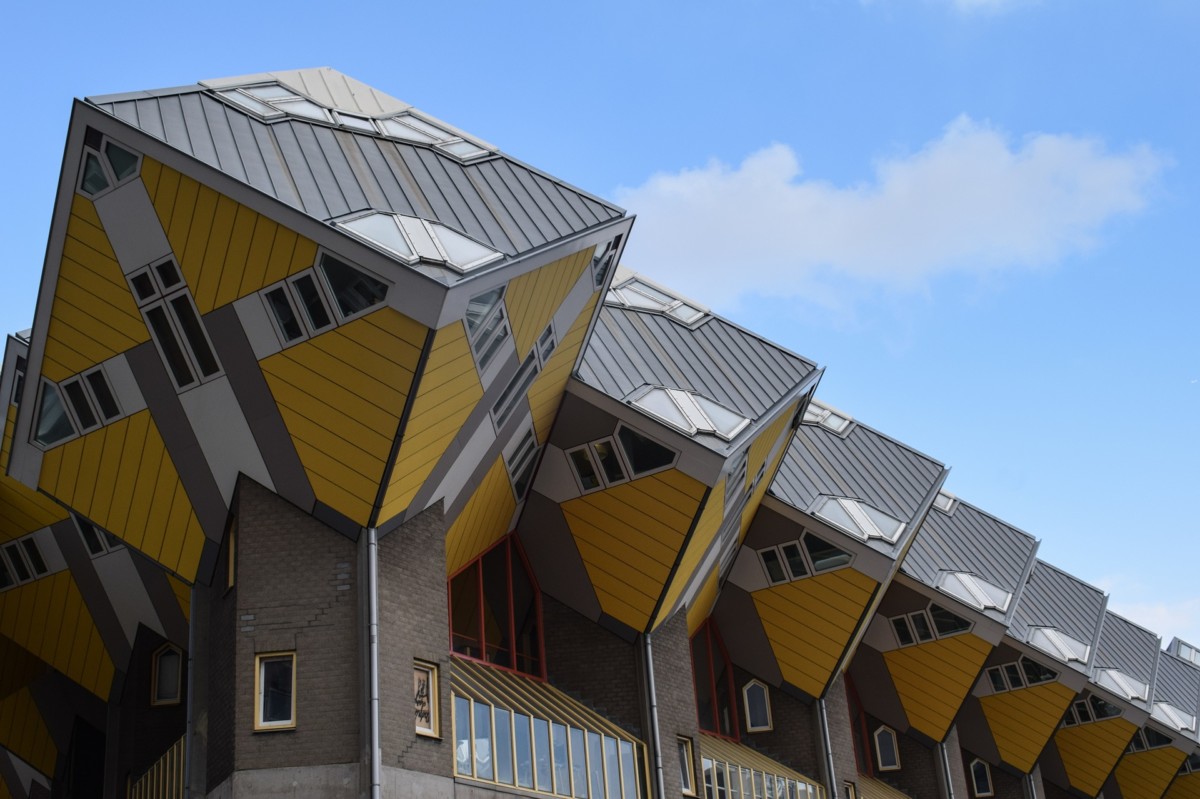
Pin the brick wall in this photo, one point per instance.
(794, 739)
(918, 772)
(146, 730)
(958, 774)
(413, 624)
(296, 591)
(838, 710)
(676, 700)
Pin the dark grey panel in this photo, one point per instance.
(166, 604)
(875, 688)
(10, 778)
(228, 153)
(970, 540)
(1128, 647)
(555, 559)
(629, 349)
(66, 535)
(1178, 683)
(742, 631)
(1054, 598)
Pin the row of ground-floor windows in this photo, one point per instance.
(729, 781)
(511, 748)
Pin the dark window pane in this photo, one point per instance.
(6, 579)
(795, 561)
(996, 676)
(525, 618)
(353, 290)
(123, 162)
(1155, 739)
(167, 673)
(18, 563)
(773, 565)
(920, 626)
(702, 675)
(176, 360)
(585, 469)
(79, 403)
(35, 556)
(93, 175)
(53, 424)
(194, 333)
(144, 286)
(289, 325)
(824, 556)
(1036, 673)
(314, 306)
(104, 396)
(1102, 709)
(722, 675)
(277, 690)
(610, 462)
(757, 706)
(904, 635)
(885, 743)
(643, 454)
(982, 778)
(479, 307)
(496, 634)
(1013, 673)
(168, 274)
(91, 538)
(946, 622)
(464, 606)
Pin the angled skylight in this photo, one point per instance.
(414, 129)
(1122, 684)
(637, 293)
(945, 501)
(1059, 644)
(858, 518)
(975, 591)
(1174, 717)
(818, 413)
(691, 413)
(411, 240)
(271, 101)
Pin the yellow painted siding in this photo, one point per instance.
(93, 316)
(484, 520)
(123, 479)
(532, 298)
(706, 530)
(630, 535)
(546, 392)
(703, 604)
(810, 622)
(1022, 721)
(183, 595)
(934, 678)
(341, 395)
(21, 510)
(448, 391)
(49, 618)
(1090, 751)
(1185, 787)
(771, 444)
(1146, 775)
(24, 733)
(225, 250)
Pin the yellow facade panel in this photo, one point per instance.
(485, 518)
(702, 605)
(766, 452)
(150, 172)
(21, 511)
(1185, 786)
(546, 392)
(1090, 751)
(448, 392)
(810, 622)
(532, 298)
(1022, 721)
(24, 733)
(183, 594)
(707, 527)
(934, 678)
(1146, 775)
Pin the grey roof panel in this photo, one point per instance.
(327, 173)
(1053, 598)
(863, 464)
(1127, 647)
(629, 349)
(1178, 683)
(972, 541)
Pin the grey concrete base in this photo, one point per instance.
(398, 782)
(318, 782)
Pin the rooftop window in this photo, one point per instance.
(106, 168)
(794, 560)
(1088, 710)
(975, 591)
(640, 295)
(826, 417)
(1122, 684)
(923, 626)
(411, 240)
(1059, 644)
(1189, 652)
(1173, 717)
(945, 501)
(858, 518)
(411, 128)
(692, 413)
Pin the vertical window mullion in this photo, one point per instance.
(482, 642)
(512, 625)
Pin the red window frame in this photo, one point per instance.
(713, 646)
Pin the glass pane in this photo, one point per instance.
(610, 462)
(757, 706)
(272, 91)
(35, 556)
(747, 783)
(420, 238)
(497, 644)
(629, 776)
(314, 306)
(462, 735)
(285, 317)
(920, 626)
(657, 402)
(722, 674)
(735, 782)
(832, 511)
(725, 421)
(303, 108)
(464, 613)
(462, 251)
(194, 333)
(91, 538)
(707, 766)
(542, 756)
(562, 763)
(79, 403)
(649, 291)
(685, 770)
(997, 679)
(353, 290)
(93, 175)
(144, 286)
(53, 424)
(250, 104)
(483, 741)
(427, 127)
(824, 556)
(904, 635)
(277, 690)
(702, 676)
(1035, 672)
(759, 793)
(123, 162)
(166, 685)
(392, 127)
(795, 561)
(946, 622)
(1013, 673)
(887, 525)
(644, 454)
(18, 563)
(595, 765)
(168, 274)
(720, 774)
(495, 334)
(504, 754)
(584, 469)
(885, 745)
(6, 579)
(382, 230)
(579, 775)
(612, 768)
(774, 566)
(525, 618)
(479, 307)
(524, 748)
(464, 149)
(686, 313)
(982, 777)
(104, 395)
(356, 123)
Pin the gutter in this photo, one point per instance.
(827, 745)
(376, 754)
(942, 756)
(652, 707)
(189, 734)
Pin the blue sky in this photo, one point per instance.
(980, 215)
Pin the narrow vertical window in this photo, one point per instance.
(981, 778)
(275, 691)
(687, 768)
(425, 698)
(887, 749)
(166, 675)
(756, 698)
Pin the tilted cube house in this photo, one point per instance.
(345, 459)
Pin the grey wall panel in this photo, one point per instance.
(216, 117)
(132, 226)
(117, 630)
(743, 634)
(225, 436)
(459, 211)
(281, 186)
(348, 182)
(1178, 683)
(251, 157)
(197, 129)
(503, 194)
(504, 218)
(555, 558)
(300, 171)
(319, 166)
(970, 540)
(490, 228)
(149, 118)
(1128, 647)
(1054, 598)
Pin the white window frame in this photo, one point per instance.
(543, 353)
(18, 546)
(430, 670)
(481, 341)
(177, 694)
(634, 474)
(991, 786)
(107, 541)
(880, 731)
(687, 765)
(603, 259)
(836, 422)
(109, 173)
(522, 455)
(260, 661)
(907, 619)
(324, 294)
(755, 683)
(322, 278)
(854, 509)
(70, 416)
(164, 298)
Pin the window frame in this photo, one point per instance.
(907, 619)
(44, 385)
(321, 275)
(260, 661)
(14, 553)
(991, 786)
(430, 670)
(880, 731)
(110, 173)
(154, 676)
(757, 683)
(521, 462)
(163, 299)
(687, 765)
(634, 474)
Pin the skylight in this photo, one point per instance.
(1122, 684)
(691, 413)
(411, 240)
(271, 101)
(831, 420)
(945, 501)
(858, 518)
(1059, 644)
(640, 295)
(414, 129)
(1174, 717)
(975, 591)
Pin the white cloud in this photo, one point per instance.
(969, 201)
